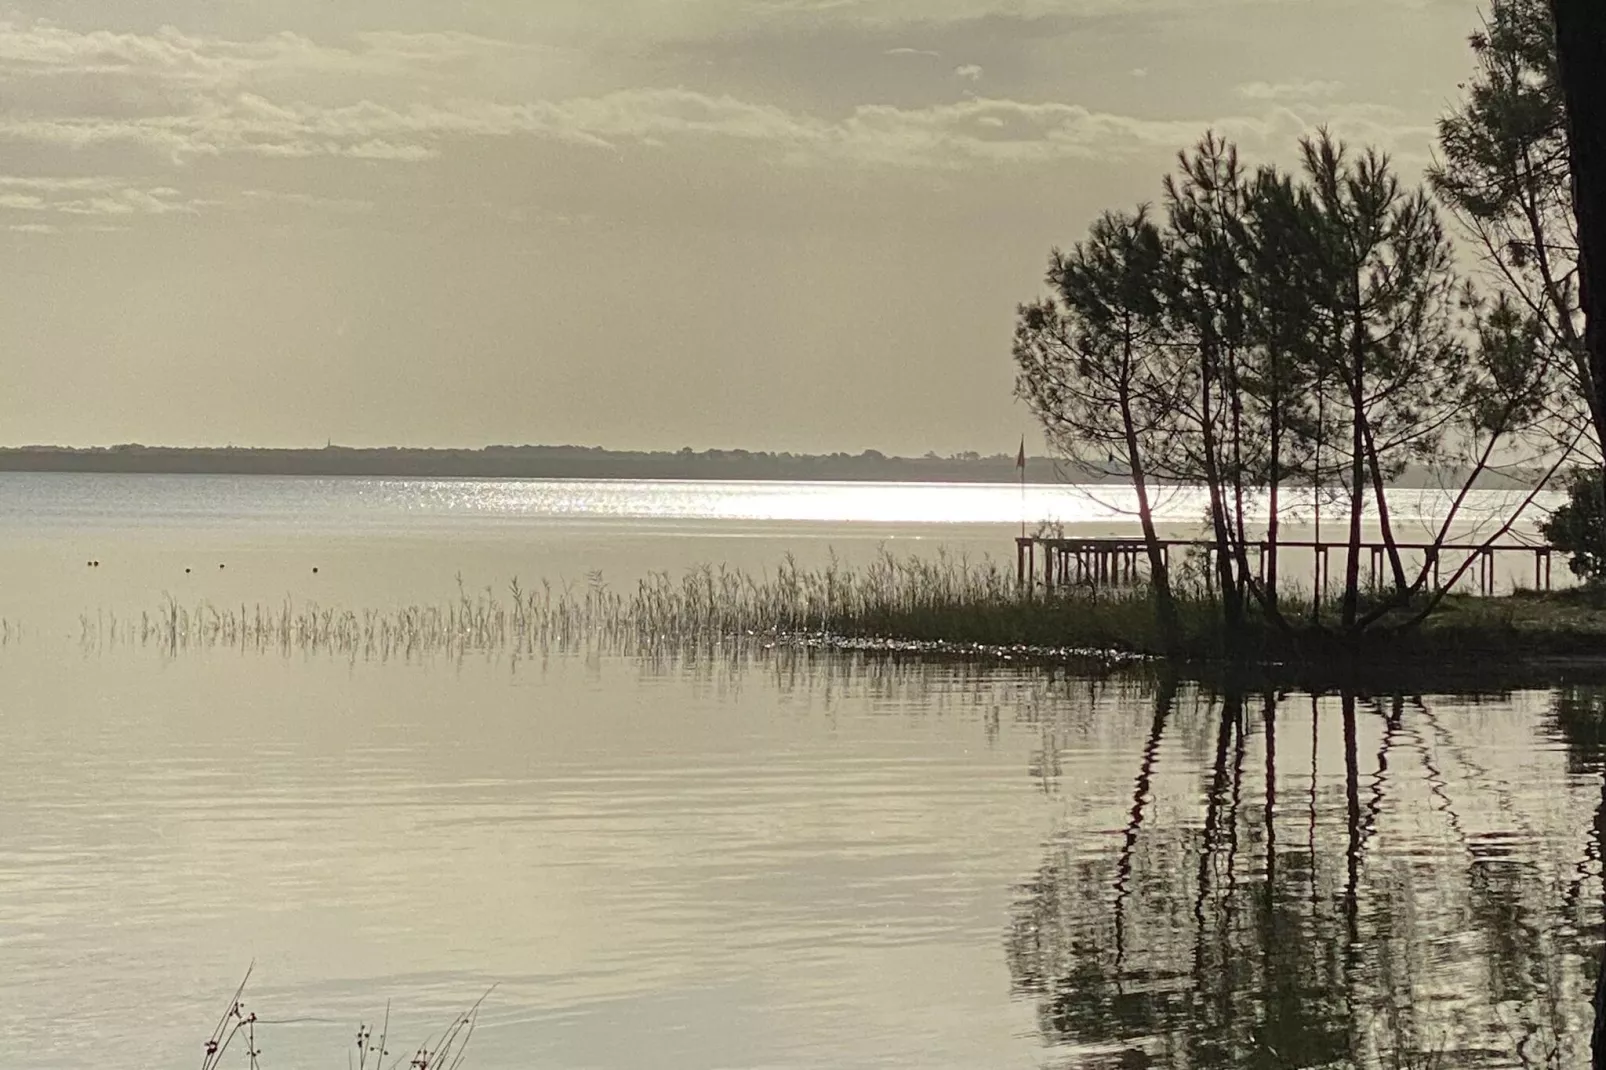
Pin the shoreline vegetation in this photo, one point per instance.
(1260, 330)
(945, 606)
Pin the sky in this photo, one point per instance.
(795, 225)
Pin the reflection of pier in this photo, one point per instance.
(1050, 565)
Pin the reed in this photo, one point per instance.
(236, 1034)
(942, 598)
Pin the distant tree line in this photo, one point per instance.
(1268, 334)
(504, 461)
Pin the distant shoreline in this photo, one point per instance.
(573, 462)
(524, 462)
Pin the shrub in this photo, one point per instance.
(1578, 528)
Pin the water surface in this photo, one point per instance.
(738, 858)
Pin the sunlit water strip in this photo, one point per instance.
(71, 500)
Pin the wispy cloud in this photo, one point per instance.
(171, 55)
(1277, 91)
(942, 135)
(906, 51)
(203, 98)
(88, 196)
(343, 205)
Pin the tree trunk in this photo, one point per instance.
(1231, 593)
(1581, 56)
(1239, 522)
(1273, 522)
(1319, 586)
(1165, 605)
(1385, 525)
(1232, 598)
(1352, 563)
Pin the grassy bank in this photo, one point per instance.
(1465, 630)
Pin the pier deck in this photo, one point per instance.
(1052, 564)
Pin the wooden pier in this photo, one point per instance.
(1091, 563)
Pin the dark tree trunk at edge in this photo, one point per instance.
(1581, 52)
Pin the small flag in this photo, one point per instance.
(1020, 458)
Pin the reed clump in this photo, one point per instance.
(942, 598)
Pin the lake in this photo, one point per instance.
(739, 856)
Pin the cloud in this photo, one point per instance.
(1313, 90)
(905, 51)
(88, 196)
(343, 205)
(687, 19)
(43, 48)
(943, 135)
(212, 98)
(56, 183)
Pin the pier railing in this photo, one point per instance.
(1057, 564)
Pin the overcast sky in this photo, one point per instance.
(769, 224)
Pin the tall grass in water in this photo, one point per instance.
(236, 1034)
(945, 597)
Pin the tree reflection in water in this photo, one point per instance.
(1328, 881)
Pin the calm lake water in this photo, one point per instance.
(759, 858)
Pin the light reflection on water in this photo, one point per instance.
(791, 859)
(29, 500)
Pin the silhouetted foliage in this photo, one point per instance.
(1578, 528)
(1093, 366)
(1282, 330)
(1504, 172)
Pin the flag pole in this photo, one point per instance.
(1020, 462)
